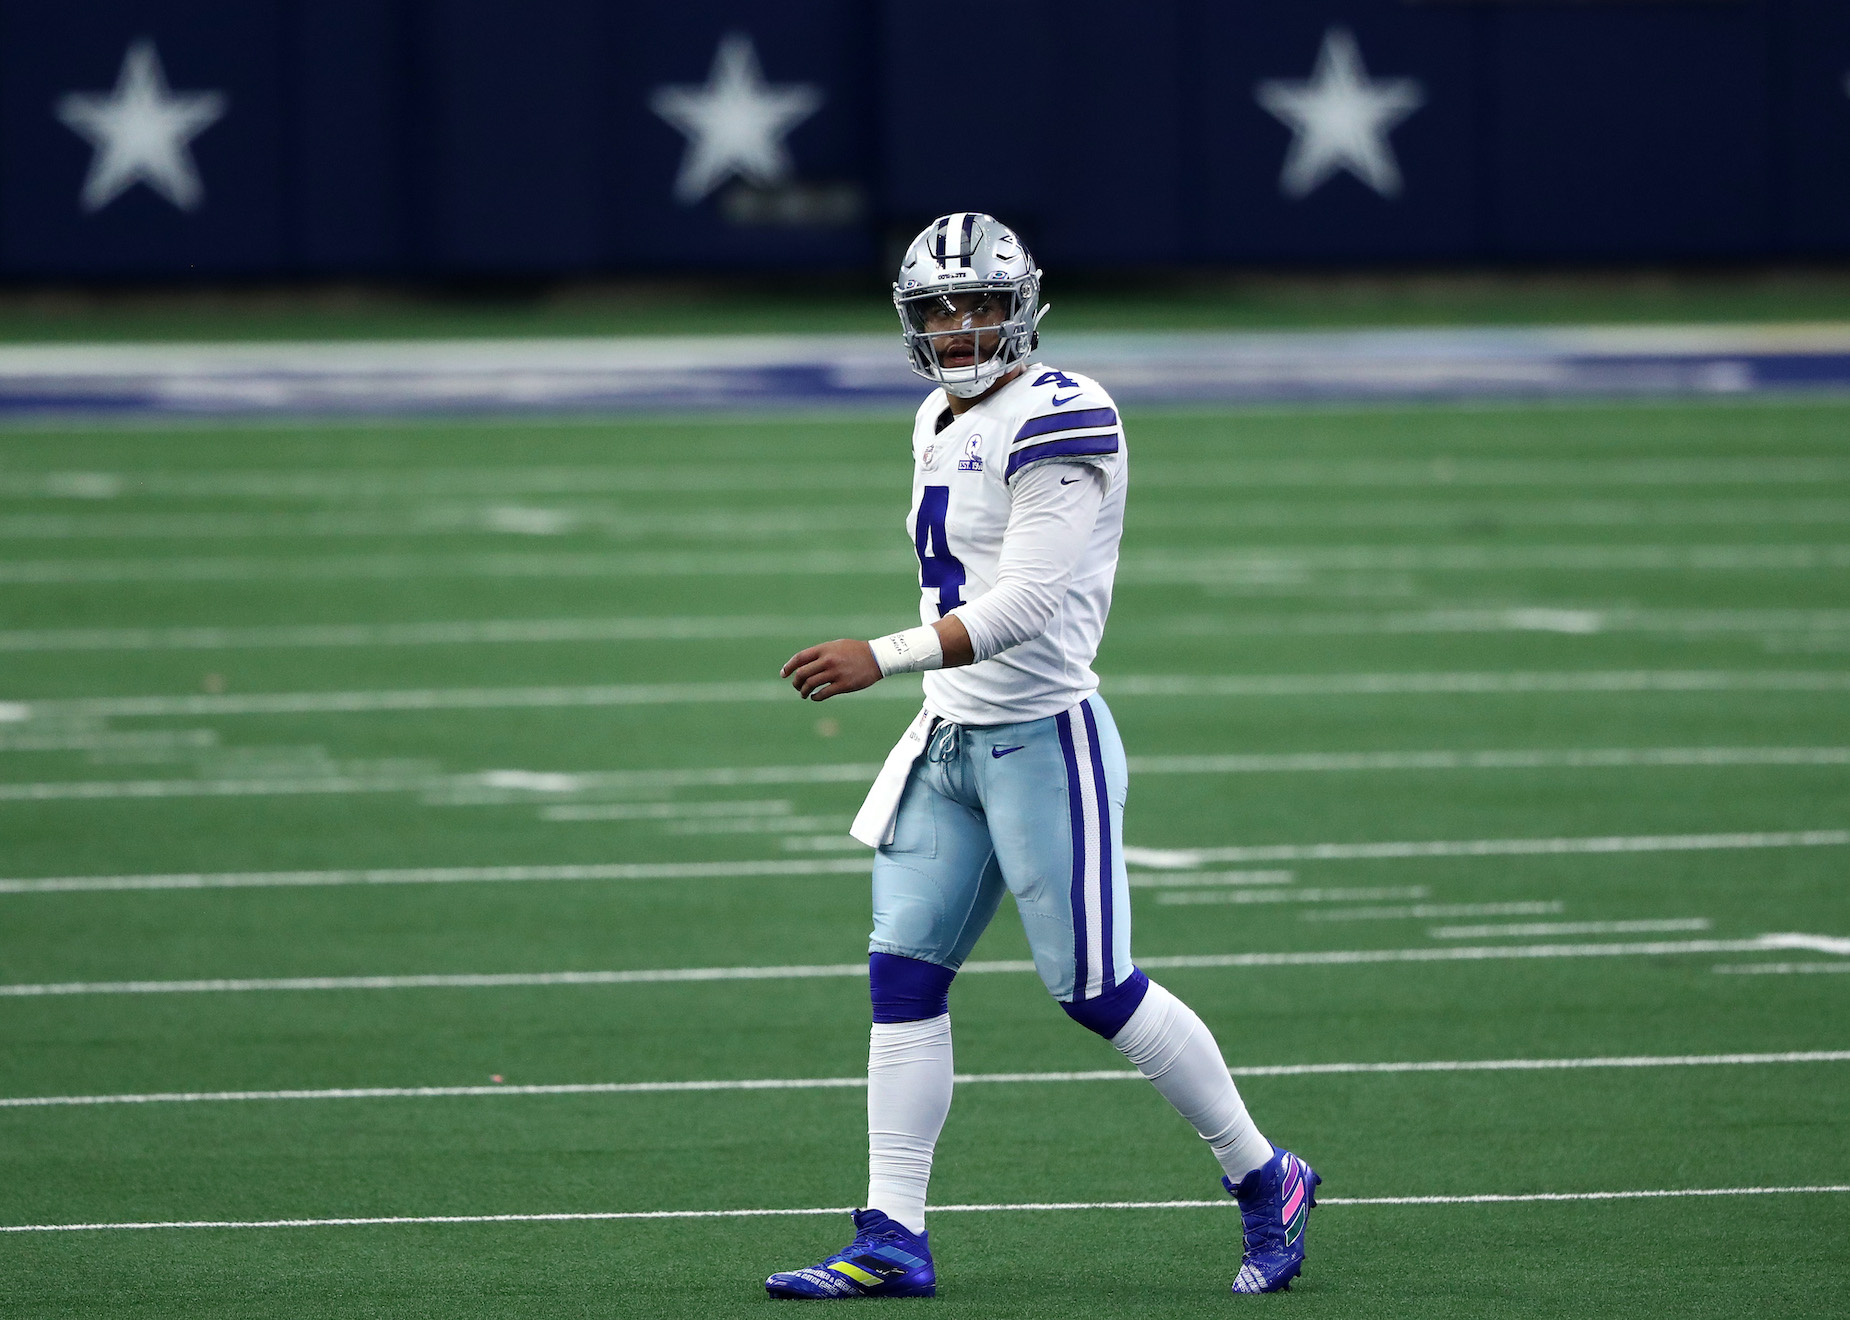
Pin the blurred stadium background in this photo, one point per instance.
(428, 426)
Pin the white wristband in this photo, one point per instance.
(909, 652)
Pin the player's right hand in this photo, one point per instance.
(828, 670)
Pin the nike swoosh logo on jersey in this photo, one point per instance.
(1059, 402)
(1067, 481)
(1000, 752)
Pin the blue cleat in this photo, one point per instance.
(884, 1260)
(1275, 1201)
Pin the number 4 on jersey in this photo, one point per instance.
(938, 568)
(1058, 379)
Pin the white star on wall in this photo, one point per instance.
(141, 132)
(1340, 119)
(736, 124)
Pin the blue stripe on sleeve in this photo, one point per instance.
(1077, 421)
(1080, 446)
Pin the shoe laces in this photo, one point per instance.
(865, 1239)
(1258, 1229)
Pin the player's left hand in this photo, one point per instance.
(828, 670)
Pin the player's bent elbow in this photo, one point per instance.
(1030, 614)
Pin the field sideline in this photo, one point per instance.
(421, 899)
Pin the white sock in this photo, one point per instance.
(1176, 1051)
(908, 1095)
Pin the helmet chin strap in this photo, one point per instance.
(969, 389)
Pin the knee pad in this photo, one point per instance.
(908, 989)
(1108, 1013)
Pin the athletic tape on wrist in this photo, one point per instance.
(910, 652)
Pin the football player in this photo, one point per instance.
(1012, 777)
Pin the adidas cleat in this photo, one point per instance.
(1275, 1201)
(884, 1260)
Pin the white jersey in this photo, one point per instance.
(962, 495)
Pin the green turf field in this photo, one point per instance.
(352, 701)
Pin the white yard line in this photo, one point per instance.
(1185, 859)
(1158, 858)
(821, 843)
(962, 1079)
(690, 627)
(1142, 566)
(1430, 911)
(358, 485)
(75, 737)
(400, 699)
(881, 561)
(607, 519)
(1479, 514)
(1550, 929)
(1784, 968)
(513, 786)
(1567, 620)
(1574, 621)
(1473, 953)
(651, 781)
(866, 561)
(1172, 898)
(1532, 1197)
(436, 875)
(1208, 879)
(1178, 565)
(1487, 1198)
(761, 825)
(774, 690)
(667, 810)
(1452, 473)
(464, 981)
(502, 483)
(490, 787)
(615, 522)
(670, 975)
(1480, 683)
(98, 790)
(1538, 759)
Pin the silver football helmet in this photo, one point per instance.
(959, 342)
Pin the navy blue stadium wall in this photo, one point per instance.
(447, 138)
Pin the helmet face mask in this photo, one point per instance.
(968, 298)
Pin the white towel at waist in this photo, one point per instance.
(873, 824)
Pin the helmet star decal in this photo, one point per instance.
(735, 125)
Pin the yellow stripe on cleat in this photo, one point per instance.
(856, 1273)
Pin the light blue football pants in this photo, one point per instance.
(1035, 808)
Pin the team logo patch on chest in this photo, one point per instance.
(971, 461)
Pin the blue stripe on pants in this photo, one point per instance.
(1076, 814)
(1102, 797)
